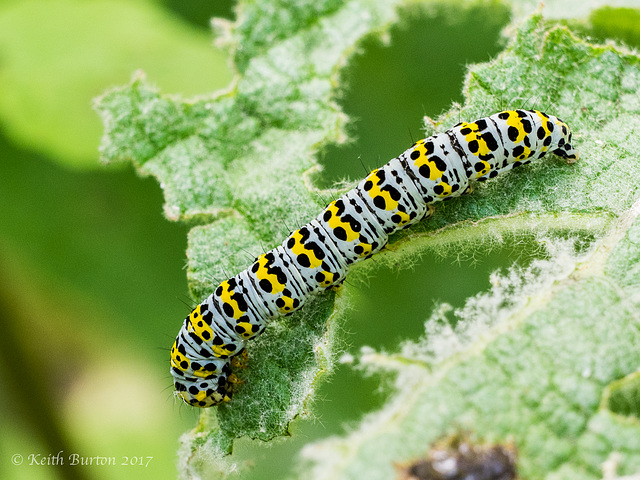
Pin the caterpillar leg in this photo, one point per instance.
(469, 190)
(429, 213)
(233, 384)
(241, 360)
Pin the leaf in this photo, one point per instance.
(238, 164)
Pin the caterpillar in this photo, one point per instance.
(350, 229)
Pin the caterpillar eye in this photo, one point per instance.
(350, 229)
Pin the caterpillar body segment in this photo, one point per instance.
(350, 229)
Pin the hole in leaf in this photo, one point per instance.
(394, 302)
(420, 72)
(623, 396)
(200, 12)
(622, 24)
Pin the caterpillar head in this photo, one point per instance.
(562, 141)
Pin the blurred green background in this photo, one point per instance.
(92, 280)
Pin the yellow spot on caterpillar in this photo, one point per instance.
(247, 329)
(198, 326)
(226, 295)
(221, 350)
(366, 249)
(514, 120)
(474, 135)
(203, 372)
(299, 249)
(329, 277)
(446, 189)
(434, 172)
(288, 304)
(525, 154)
(375, 191)
(177, 358)
(201, 395)
(404, 217)
(335, 222)
(485, 170)
(261, 269)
